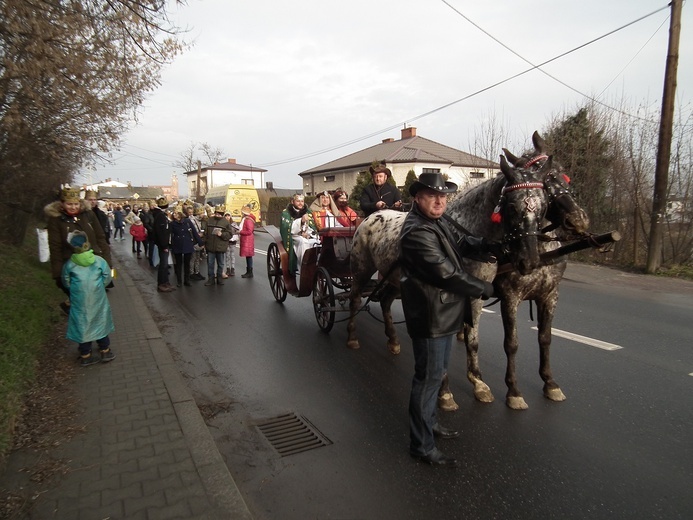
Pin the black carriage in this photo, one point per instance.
(325, 272)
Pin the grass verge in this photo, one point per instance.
(29, 315)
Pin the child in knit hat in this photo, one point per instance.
(86, 276)
(139, 235)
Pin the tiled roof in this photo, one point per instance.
(144, 192)
(413, 149)
(228, 166)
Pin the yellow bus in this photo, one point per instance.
(234, 197)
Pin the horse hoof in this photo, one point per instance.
(393, 348)
(516, 403)
(555, 394)
(353, 344)
(446, 402)
(482, 393)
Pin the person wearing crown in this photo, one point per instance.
(72, 213)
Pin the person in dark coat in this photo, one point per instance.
(162, 238)
(381, 194)
(435, 290)
(68, 214)
(147, 218)
(92, 198)
(183, 239)
(218, 232)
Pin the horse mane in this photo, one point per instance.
(472, 209)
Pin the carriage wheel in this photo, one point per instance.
(274, 273)
(323, 300)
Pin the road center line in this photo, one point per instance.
(584, 339)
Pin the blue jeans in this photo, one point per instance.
(431, 356)
(211, 257)
(85, 348)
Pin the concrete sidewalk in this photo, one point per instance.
(146, 453)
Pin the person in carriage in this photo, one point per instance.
(298, 231)
(381, 194)
(347, 217)
(325, 211)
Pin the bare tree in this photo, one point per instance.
(72, 76)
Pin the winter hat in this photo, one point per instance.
(101, 204)
(246, 210)
(78, 241)
(137, 220)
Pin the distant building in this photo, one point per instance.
(409, 153)
(118, 192)
(219, 174)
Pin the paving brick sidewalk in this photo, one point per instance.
(146, 453)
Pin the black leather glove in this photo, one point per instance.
(476, 249)
(488, 291)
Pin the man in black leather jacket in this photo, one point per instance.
(435, 290)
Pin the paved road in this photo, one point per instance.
(619, 447)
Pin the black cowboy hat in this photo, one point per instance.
(434, 181)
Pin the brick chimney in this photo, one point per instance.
(232, 161)
(408, 133)
(388, 140)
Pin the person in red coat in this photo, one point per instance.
(247, 234)
(347, 217)
(139, 234)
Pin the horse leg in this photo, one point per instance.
(446, 401)
(354, 306)
(545, 312)
(386, 298)
(470, 335)
(514, 397)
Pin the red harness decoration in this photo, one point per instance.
(535, 160)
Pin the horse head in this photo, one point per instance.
(563, 210)
(523, 206)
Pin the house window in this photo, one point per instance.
(477, 175)
(430, 170)
(247, 181)
(328, 178)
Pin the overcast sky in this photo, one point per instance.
(269, 81)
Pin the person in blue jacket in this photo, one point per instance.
(86, 276)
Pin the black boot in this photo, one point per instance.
(248, 273)
(211, 281)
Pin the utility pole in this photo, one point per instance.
(199, 178)
(659, 202)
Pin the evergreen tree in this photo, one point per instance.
(411, 179)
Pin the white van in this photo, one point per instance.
(234, 197)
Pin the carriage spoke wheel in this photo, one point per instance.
(274, 273)
(323, 300)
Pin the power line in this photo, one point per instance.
(480, 91)
(566, 53)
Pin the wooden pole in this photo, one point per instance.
(199, 179)
(659, 202)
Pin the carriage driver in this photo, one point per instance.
(435, 291)
(381, 194)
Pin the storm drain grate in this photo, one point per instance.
(289, 434)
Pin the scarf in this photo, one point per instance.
(296, 213)
(84, 259)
